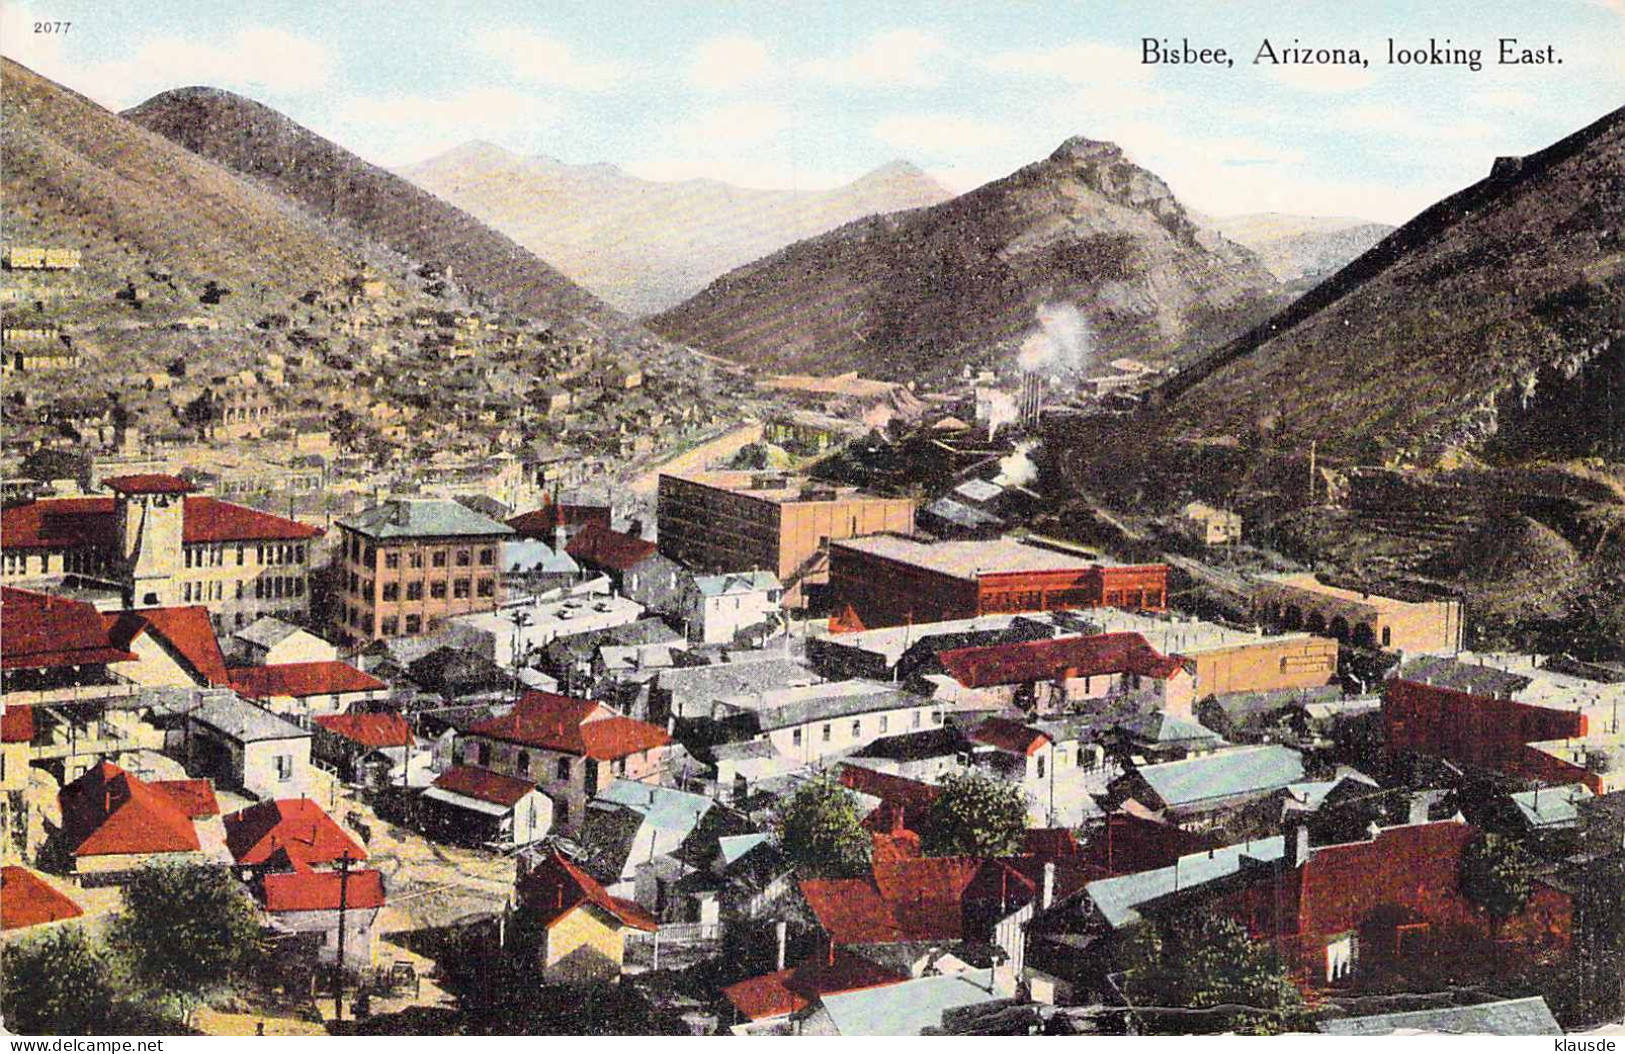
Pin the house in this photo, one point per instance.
(114, 823)
(1068, 673)
(1206, 525)
(287, 833)
(174, 647)
(816, 721)
(1164, 737)
(765, 1005)
(572, 748)
(270, 641)
(303, 690)
(243, 746)
(1506, 1017)
(579, 931)
(630, 823)
(543, 523)
(27, 900)
(690, 693)
(314, 902)
(469, 805)
(342, 740)
(721, 607)
(510, 635)
(915, 1007)
(1201, 792)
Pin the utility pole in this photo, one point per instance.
(344, 863)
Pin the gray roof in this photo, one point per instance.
(1509, 1017)
(1463, 677)
(267, 631)
(530, 555)
(736, 582)
(423, 518)
(701, 685)
(839, 701)
(242, 721)
(908, 1008)
(1118, 899)
(1227, 774)
(1162, 727)
(1552, 806)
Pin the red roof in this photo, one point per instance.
(41, 631)
(148, 483)
(301, 679)
(370, 730)
(541, 523)
(28, 900)
(484, 785)
(17, 724)
(296, 828)
(108, 812)
(186, 631)
(60, 523)
(795, 989)
(319, 890)
(1049, 842)
(212, 520)
(571, 726)
(1025, 662)
(887, 787)
(1013, 737)
(195, 797)
(905, 898)
(78, 523)
(556, 887)
(601, 547)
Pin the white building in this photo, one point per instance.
(817, 721)
(718, 607)
(535, 622)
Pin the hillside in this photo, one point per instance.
(928, 291)
(77, 176)
(642, 245)
(1500, 307)
(334, 184)
(1301, 248)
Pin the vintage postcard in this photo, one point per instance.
(791, 518)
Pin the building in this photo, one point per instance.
(1505, 1017)
(577, 929)
(513, 633)
(816, 721)
(893, 580)
(916, 1007)
(410, 563)
(270, 641)
(310, 902)
(164, 546)
(287, 833)
(1201, 792)
(543, 524)
(1301, 601)
(1225, 660)
(114, 823)
(721, 607)
(1206, 525)
(470, 805)
(28, 900)
(1069, 673)
(342, 741)
(763, 521)
(765, 1005)
(302, 690)
(571, 748)
(243, 746)
(42, 258)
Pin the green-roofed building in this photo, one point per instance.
(406, 564)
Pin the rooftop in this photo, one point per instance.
(424, 518)
(1023, 662)
(1117, 899)
(148, 483)
(966, 558)
(1246, 770)
(108, 812)
(910, 1008)
(571, 726)
(788, 707)
(267, 631)
(241, 720)
(1183, 634)
(320, 891)
(370, 730)
(26, 899)
(1507, 1017)
(777, 487)
(736, 582)
(46, 632)
(291, 831)
(483, 785)
(1306, 582)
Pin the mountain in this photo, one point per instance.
(1490, 321)
(1301, 248)
(331, 183)
(78, 176)
(642, 245)
(934, 289)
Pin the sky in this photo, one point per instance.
(802, 95)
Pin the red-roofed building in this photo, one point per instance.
(1052, 675)
(26, 900)
(113, 823)
(774, 998)
(342, 740)
(304, 901)
(903, 801)
(579, 929)
(307, 689)
(195, 797)
(165, 547)
(174, 647)
(477, 806)
(288, 834)
(543, 524)
(614, 553)
(571, 748)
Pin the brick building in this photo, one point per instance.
(409, 563)
(164, 546)
(764, 521)
(894, 579)
(1302, 601)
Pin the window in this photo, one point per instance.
(1340, 953)
(884, 721)
(392, 561)
(488, 557)
(795, 737)
(284, 768)
(465, 557)
(414, 559)
(857, 728)
(414, 590)
(392, 592)
(826, 733)
(369, 556)
(299, 554)
(414, 624)
(564, 769)
(459, 589)
(521, 763)
(916, 719)
(438, 558)
(239, 591)
(482, 754)
(1040, 760)
(437, 590)
(390, 626)
(487, 587)
(1387, 635)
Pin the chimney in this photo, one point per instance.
(780, 930)
(1049, 885)
(1296, 847)
(1419, 803)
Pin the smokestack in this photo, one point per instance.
(1296, 848)
(1418, 809)
(1049, 885)
(780, 930)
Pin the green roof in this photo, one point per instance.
(423, 518)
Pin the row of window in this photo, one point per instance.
(826, 732)
(265, 554)
(265, 588)
(391, 591)
(367, 556)
(74, 561)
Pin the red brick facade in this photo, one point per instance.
(1470, 729)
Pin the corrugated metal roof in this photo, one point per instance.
(909, 1008)
(1117, 899)
(1224, 775)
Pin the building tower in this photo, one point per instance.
(151, 518)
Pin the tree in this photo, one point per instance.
(1202, 974)
(1495, 875)
(201, 412)
(974, 815)
(186, 930)
(821, 831)
(57, 983)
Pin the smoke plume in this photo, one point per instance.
(1063, 340)
(1016, 469)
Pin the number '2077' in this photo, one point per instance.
(51, 27)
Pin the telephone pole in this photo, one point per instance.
(344, 863)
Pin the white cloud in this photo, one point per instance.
(937, 133)
(1083, 62)
(1323, 79)
(395, 129)
(541, 59)
(748, 122)
(729, 64)
(255, 60)
(1401, 122)
(897, 58)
